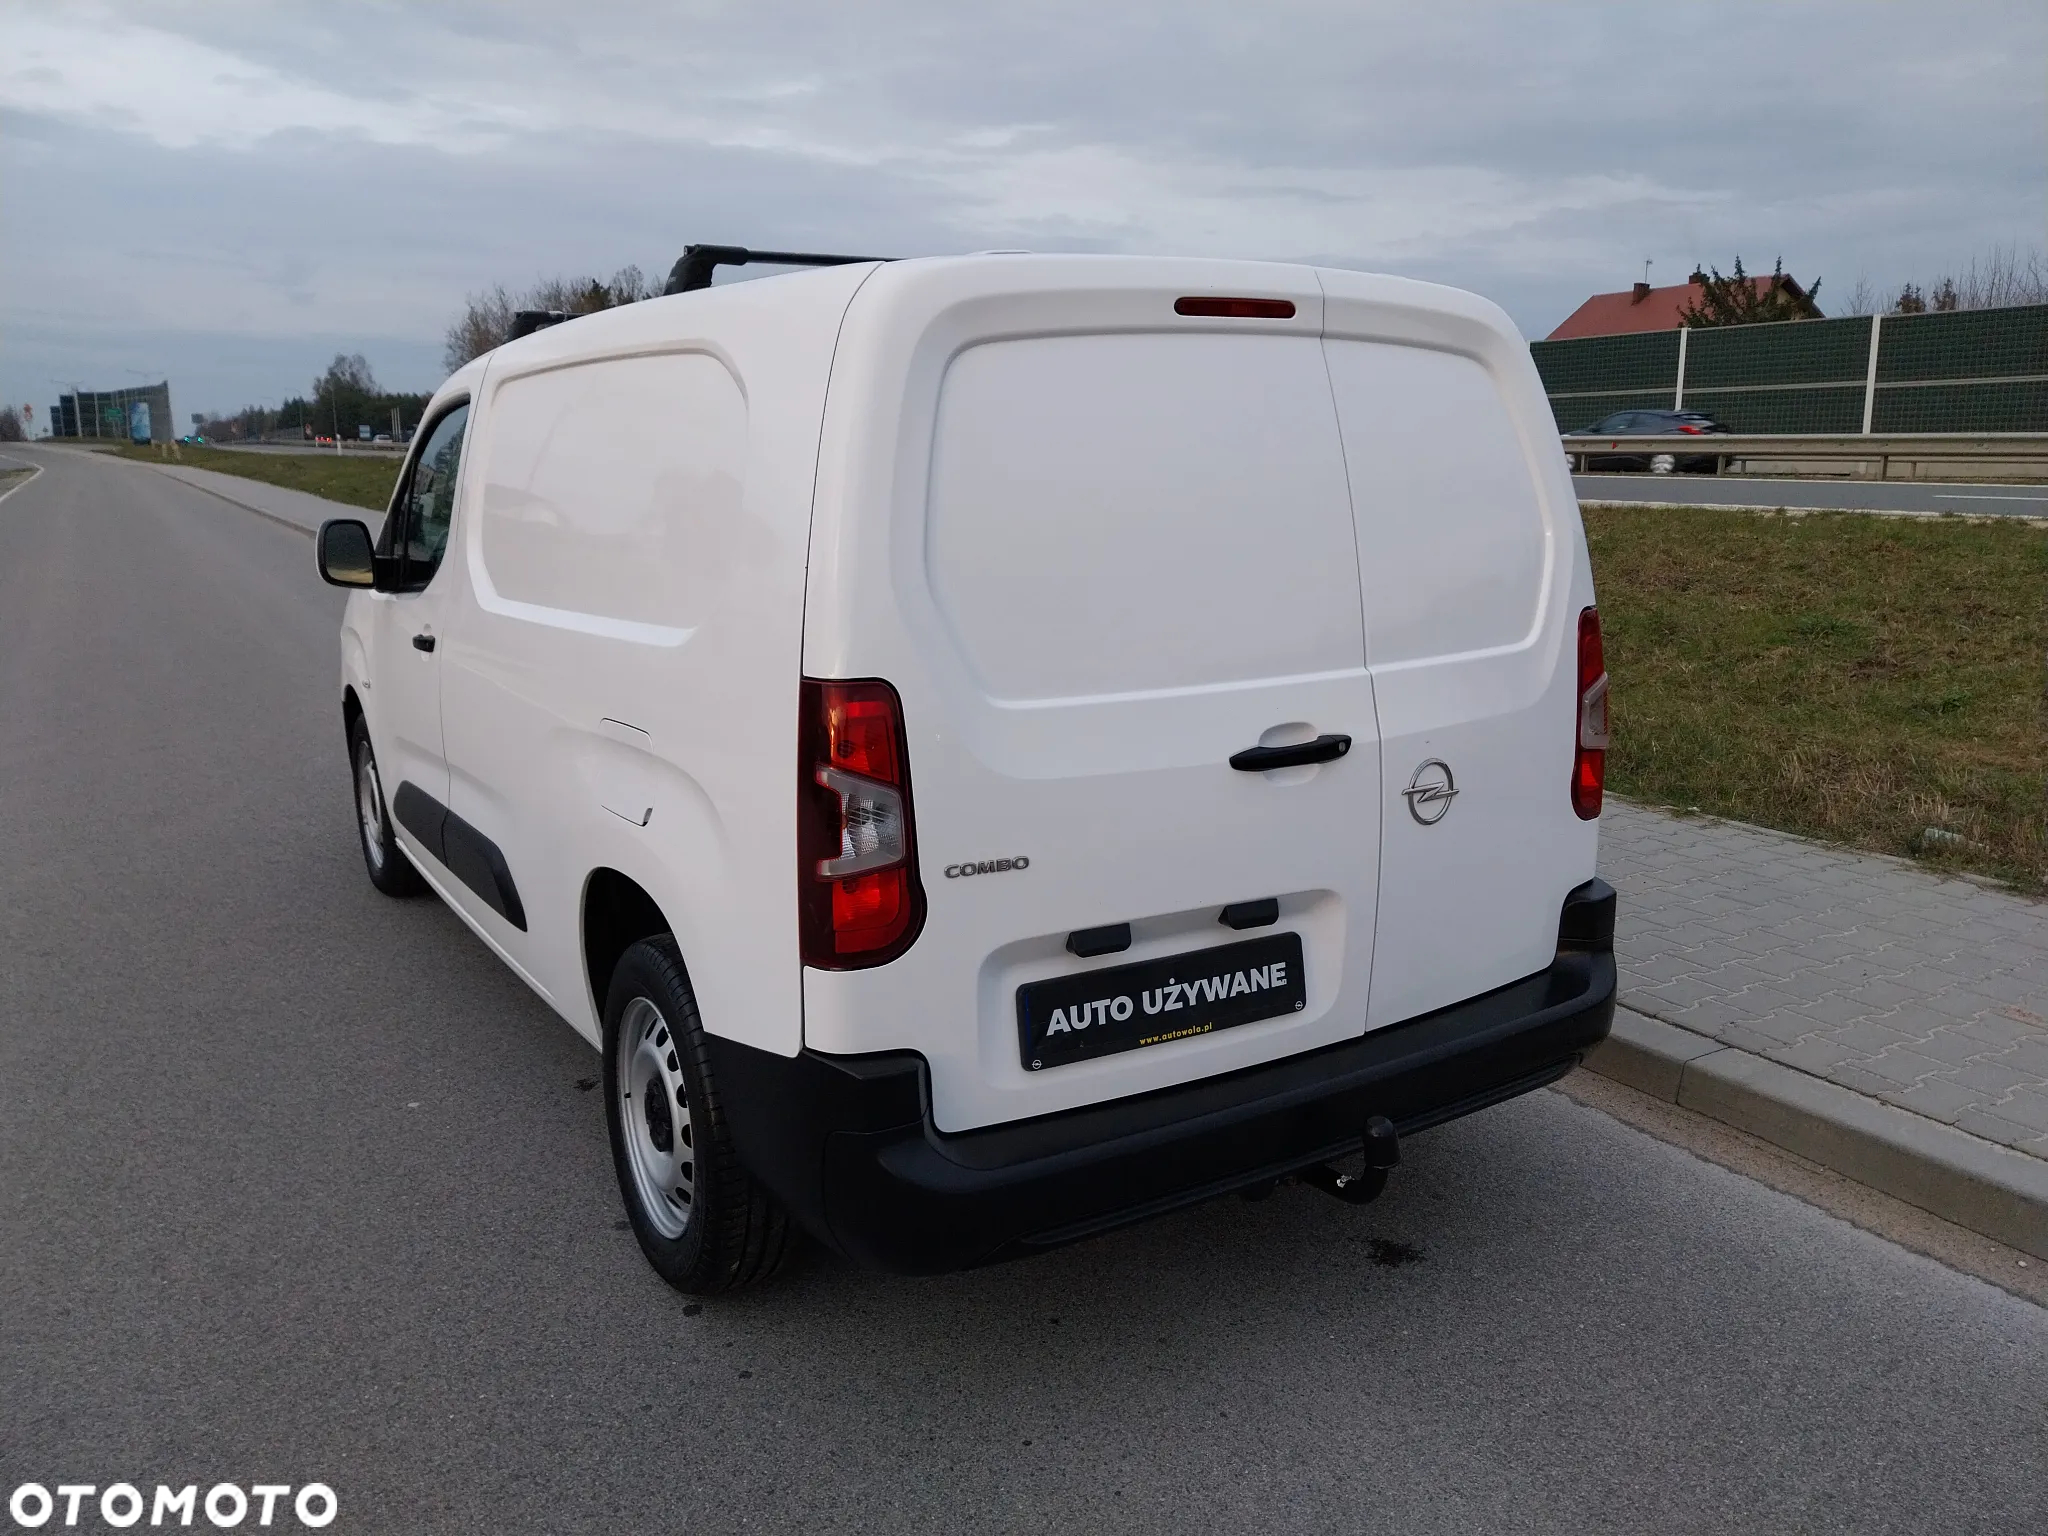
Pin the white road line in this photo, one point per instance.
(34, 470)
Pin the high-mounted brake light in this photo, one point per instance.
(858, 897)
(1589, 757)
(1236, 309)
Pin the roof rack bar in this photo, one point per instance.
(693, 270)
(527, 321)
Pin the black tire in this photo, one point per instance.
(704, 1223)
(389, 869)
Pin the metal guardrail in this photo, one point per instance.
(1876, 456)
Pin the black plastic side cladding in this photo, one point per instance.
(468, 855)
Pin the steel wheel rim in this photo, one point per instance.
(370, 807)
(654, 1115)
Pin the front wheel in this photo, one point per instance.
(390, 870)
(701, 1219)
(1663, 463)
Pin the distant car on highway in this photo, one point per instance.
(1651, 424)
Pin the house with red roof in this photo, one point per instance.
(1643, 308)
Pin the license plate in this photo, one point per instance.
(1126, 1007)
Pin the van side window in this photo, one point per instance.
(428, 501)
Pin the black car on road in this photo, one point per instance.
(1648, 424)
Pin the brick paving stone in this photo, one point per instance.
(1990, 1079)
(1711, 1014)
(1850, 1075)
(2029, 1055)
(1667, 967)
(1816, 986)
(1940, 1098)
(1923, 990)
(1738, 976)
(1872, 1035)
(1831, 1010)
(1879, 996)
(1996, 1030)
(1996, 1128)
(1778, 1029)
(2029, 1109)
(1820, 1056)
(1901, 1066)
(1746, 1037)
(1951, 1046)
(1962, 1003)
(2015, 988)
(1767, 999)
(1681, 992)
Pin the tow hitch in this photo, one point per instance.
(1382, 1151)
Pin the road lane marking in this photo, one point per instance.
(34, 473)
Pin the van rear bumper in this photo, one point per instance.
(848, 1144)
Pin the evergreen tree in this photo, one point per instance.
(1738, 299)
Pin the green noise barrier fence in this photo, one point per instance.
(1973, 370)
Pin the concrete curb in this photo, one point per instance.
(1961, 1178)
(1743, 506)
(169, 471)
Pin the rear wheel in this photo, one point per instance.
(390, 870)
(701, 1219)
(1663, 463)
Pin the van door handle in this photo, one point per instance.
(1322, 750)
(423, 642)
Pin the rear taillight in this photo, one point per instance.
(858, 897)
(1589, 756)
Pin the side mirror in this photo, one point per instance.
(345, 554)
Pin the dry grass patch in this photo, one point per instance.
(357, 479)
(1857, 678)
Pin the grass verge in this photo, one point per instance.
(358, 480)
(1850, 677)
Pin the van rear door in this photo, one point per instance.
(1474, 570)
(1124, 556)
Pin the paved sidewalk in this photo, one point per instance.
(298, 508)
(1924, 992)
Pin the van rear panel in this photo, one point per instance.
(1100, 547)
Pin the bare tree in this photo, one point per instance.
(629, 287)
(349, 370)
(1863, 298)
(486, 321)
(2003, 276)
(10, 425)
(487, 317)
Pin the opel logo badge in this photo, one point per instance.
(1431, 791)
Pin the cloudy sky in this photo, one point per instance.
(229, 194)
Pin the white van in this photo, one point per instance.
(995, 748)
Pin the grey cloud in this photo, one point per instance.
(1535, 153)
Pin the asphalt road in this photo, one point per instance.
(1837, 495)
(298, 1183)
